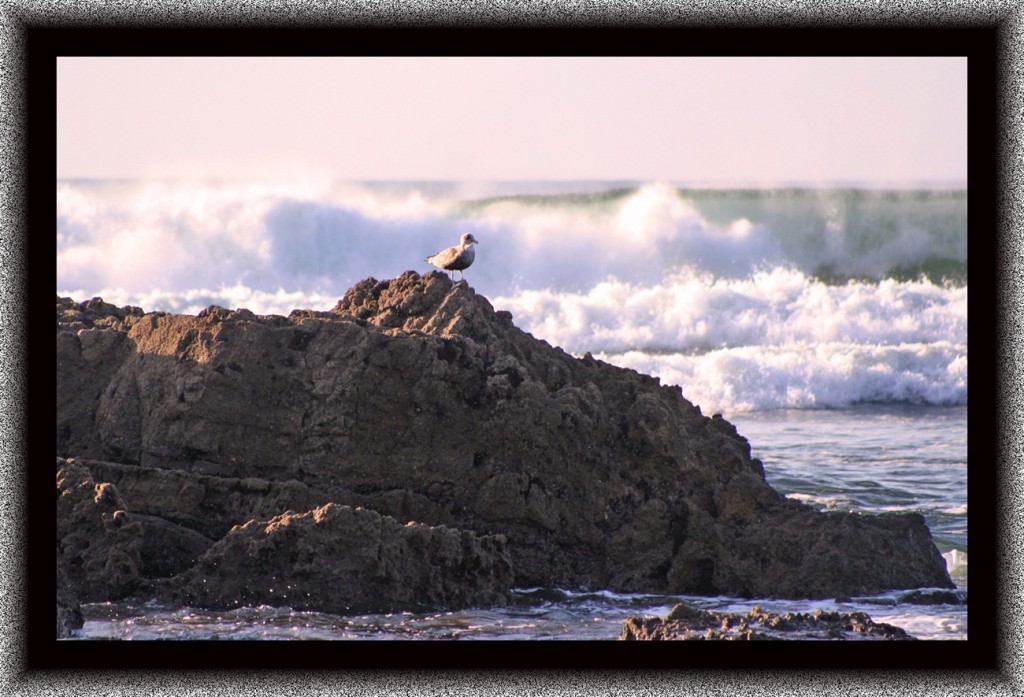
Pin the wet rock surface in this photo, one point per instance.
(414, 399)
(688, 623)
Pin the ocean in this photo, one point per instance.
(829, 324)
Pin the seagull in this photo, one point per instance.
(455, 258)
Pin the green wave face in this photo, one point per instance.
(836, 235)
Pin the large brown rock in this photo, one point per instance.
(415, 399)
(348, 560)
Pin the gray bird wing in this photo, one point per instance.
(445, 257)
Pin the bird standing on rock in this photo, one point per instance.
(456, 258)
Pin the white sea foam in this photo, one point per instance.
(776, 339)
(638, 237)
(808, 376)
(956, 563)
(304, 237)
(192, 301)
(924, 622)
(697, 311)
(821, 502)
(317, 236)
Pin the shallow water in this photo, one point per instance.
(870, 458)
(534, 614)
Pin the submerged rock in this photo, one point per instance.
(415, 399)
(933, 596)
(925, 596)
(688, 623)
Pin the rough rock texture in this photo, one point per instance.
(415, 399)
(207, 504)
(349, 560)
(139, 529)
(69, 611)
(688, 623)
(110, 550)
(98, 547)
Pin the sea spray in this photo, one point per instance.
(320, 238)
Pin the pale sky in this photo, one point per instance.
(676, 119)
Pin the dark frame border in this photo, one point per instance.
(980, 43)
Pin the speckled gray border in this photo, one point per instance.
(13, 384)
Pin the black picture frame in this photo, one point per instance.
(983, 42)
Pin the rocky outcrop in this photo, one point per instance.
(348, 560)
(415, 399)
(688, 623)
